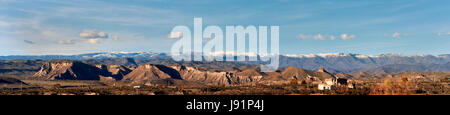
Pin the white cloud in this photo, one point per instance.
(87, 36)
(398, 34)
(443, 33)
(102, 35)
(347, 37)
(302, 36)
(66, 42)
(175, 35)
(326, 37)
(90, 34)
(92, 41)
(319, 37)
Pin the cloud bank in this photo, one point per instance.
(326, 36)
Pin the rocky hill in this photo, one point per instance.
(301, 74)
(114, 71)
(76, 70)
(151, 74)
(68, 70)
(147, 73)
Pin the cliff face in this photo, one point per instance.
(114, 71)
(150, 73)
(146, 73)
(248, 76)
(68, 70)
(219, 78)
(75, 70)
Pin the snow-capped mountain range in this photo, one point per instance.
(345, 62)
(102, 55)
(151, 55)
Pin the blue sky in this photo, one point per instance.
(368, 27)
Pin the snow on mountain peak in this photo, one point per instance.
(319, 55)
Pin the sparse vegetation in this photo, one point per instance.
(391, 86)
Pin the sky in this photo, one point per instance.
(370, 27)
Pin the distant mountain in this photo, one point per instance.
(353, 63)
(105, 55)
(333, 62)
(19, 68)
(115, 61)
(396, 68)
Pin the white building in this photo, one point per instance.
(324, 86)
(330, 82)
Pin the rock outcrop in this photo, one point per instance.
(146, 73)
(68, 70)
(321, 69)
(301, 74)
(114, 71)
(75, 70)
(248, 76)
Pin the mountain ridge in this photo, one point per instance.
(333, 62)
(151, 55)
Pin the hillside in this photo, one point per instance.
(76, 70)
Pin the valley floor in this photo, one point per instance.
(66, 87)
